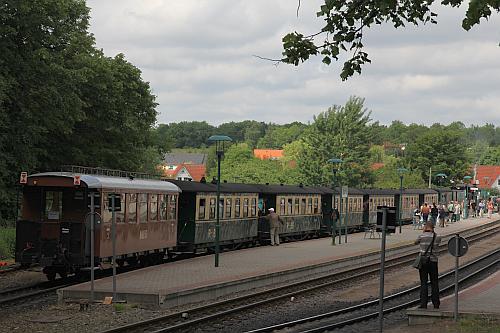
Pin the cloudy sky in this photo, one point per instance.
(197, 56)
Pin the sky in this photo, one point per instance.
(199, 59)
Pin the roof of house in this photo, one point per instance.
(196, 171)
(266, 154)
(487, 175)
(185, 158)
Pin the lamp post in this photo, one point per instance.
(401, 172)
(220, 141)
(335, 162)
(466, 201)
(440, 177)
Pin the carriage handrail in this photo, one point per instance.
(107, 172)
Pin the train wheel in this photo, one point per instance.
(51, 276)
(63, 273)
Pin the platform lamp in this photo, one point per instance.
(466, 201)
(220, 142)
(440, 177)
(401, 172)
(335, 163)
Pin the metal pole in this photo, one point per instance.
(217, 224)
(334, 221)
(346, 218)
(382, 264)
(466, 204)
(113, 235)
(457, 237)
(92, 247)
(340, 218)
(400, 200)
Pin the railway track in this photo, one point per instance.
(13, 295)
(186, 320)
(395, 302)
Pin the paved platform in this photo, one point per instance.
(196, 279)
(481, 299)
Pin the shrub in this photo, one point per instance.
(7, 243)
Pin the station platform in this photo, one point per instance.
(196, 279)
(480, 299)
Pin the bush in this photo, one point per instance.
(7, 243)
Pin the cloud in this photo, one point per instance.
(198, 58)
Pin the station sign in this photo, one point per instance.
(345, 191)
(76, 180)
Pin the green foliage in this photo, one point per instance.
(61, 100)
(239, 166)
(443, 150)
(389, 177)
(341, 132)
(478, 324)
(346, 20)
(7, 243)
(279, 135)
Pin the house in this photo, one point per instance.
(268, 154)
(487, 176)
(184, 166)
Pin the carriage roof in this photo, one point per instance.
(107, 182)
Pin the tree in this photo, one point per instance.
(388, 176)
(61, 100)
(278, 135)
(345, 21)
(441, 150)
(340, 132)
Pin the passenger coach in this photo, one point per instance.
(54, 229)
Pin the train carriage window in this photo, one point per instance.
(163, 206)
(237, 207)
(289, 206)
(315, 206)
(245, 207)
(143, 208)
(282, 206)
(132, 208)
(172, 207)
(297, 207)
(309, 205)
(107, 215)
(229, 205)
(153, 207)
(53, 205)
(212, 208)
(201, 208)
(221, 208)
(253, 209)
(303, 205)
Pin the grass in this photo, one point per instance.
(478, 325)
(7, 243)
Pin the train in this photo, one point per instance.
(157, 219)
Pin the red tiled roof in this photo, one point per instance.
(266, 154)
(487, 175)
(197, 171)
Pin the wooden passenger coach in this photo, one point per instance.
(54, 230)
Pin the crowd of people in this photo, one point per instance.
(441, 214)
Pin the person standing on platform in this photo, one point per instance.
(434, 214)
(429, 243)
(490, 207)
(481, 208)
(451, 212)
(425, 210)
(442, 215)
(274, 223)
(458, 212)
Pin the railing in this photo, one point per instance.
(106, 172)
